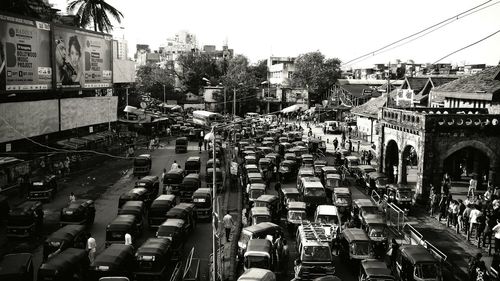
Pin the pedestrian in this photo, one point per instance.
(200, 144)
(175, 166)
(393, 251)
(205, 142)
(335, 143)
(72, 197)
(473, 220)
(66, 165)
(472, 186)
(369, 157)
(228, 224)
(128, 239)
(285, 254)
(359, 143)
(151, 144)
(496, 231)
(91, 248)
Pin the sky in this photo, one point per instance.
(339, 29)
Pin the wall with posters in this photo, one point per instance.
(82, 59)
(28, 119)
(80, 112)
(25, 60)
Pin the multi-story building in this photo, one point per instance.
(280, 70)
(141, 54)
(223, 54)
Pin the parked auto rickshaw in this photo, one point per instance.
(350, 162)
(257, 274)
(250, 159)
(17, 267)
(142, 165)
(342, 199)
(374, 270)
(362, 174)
(116, 229)
(275, 158)
(181, 145)
(283, 147)
(318, 166)
(259, 254)
(69, 236)
(255, 178)
(362, 208)
(255, 191)
(332, 181)
(136, 209)
(189, 184)
(175, 231)
(202, 199)
(193, 165)
(287, 170)
(218, 178)
(186, 212)
(70, 264)
(414, 262)
(376, 228)
(25, 219)
(116, 260)
(307, 160)
(289, 194)
(296, 215)
(252, 168)
(172, 181)
(159, 208)
(43, 188)
(400, 195)
(326, 171)
(271, 202)
(265, 166)
(151, 183)
(135, 194)
(210, 164)
(355, 245)
(152, 259)
(376, 181)
(260, 230)
(259, 214)
(81, 211)
(292, 157)
(316, 145)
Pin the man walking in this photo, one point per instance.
(228, 224)
(91, 248)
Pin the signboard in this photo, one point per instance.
(24, 55)
(82, 59)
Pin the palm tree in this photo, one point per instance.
(96, 12)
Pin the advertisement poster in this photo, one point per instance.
(24, 55)
(83, 59)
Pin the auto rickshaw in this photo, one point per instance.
(318, 165)
(287, 170)
(260, 230)
(181, 145)
(298, 143)
(17, 267)
(135, 194)
(218, 178)
(362, 208)
(271, 202)
(251, 168)
(350, 162)
(81, 211)
(152, 259)
(342, 199)
(142, 165)
(355, 246)
(296, 215)
(186, 212)
(316, 145)
(116, 260)
(400, 195)
(250, 159)
(289, 194)
(116, 229)
(255, 191)
(259, 214)
(174, 230)
(43, 188)
(414, 262)
(376, 181)
(275, 158)
(70, 264)
(332, 181)
(172, 181)
(152, 184)
(189, 184)
(259, 254)
(376, 228)
(265, 166)
(193, 165)
(263, 150)
(307, 160)
(304, 172)
(257, 274)
(326, 171)
(374, 270)
(159, 208)
(210, 164)
(284, 147)
(313, 192)
(362, 174)
(25, 220)
(255, 178)
(268, 143)
(69, 236)
(202, 199)
(136, 209)
(299, 151)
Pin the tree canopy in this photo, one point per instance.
(151, 79)
(95, 12)
(195, 67)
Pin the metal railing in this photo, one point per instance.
(395, 217)
(414, 237)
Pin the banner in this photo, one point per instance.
(24, 55)
(82, 59)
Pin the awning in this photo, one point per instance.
(130, 109)
(289, 109)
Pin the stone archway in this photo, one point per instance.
(391, 163)
(409, 165)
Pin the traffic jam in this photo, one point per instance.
(305, 213)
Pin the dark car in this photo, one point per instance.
(43, 188)
(152, 259)
(80, 212)
(70, 264)
(25, 219)
(16, 267)
(152, 184)
(69, 236)
(159, 208)
(135, 194)
(116, 260)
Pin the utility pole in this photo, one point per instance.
(234, 103)
(388, 84)
(126, 93)
(163, 98)
(225, 112)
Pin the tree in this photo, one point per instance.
(37, 9)
(151, 78)
(96, 12)
(316, 73)
(195, 67)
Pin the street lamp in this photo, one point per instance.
(234, 100)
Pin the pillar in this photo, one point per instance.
(401, 169)
(381, 150)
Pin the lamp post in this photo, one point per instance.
(215, 216)
(164, 101)
(126, 94)
(268, 93)
(234, 100)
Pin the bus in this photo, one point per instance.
(10, 170)
(206, 118)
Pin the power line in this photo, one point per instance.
(470, 45)
(416, 33)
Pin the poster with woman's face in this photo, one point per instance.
(68, 54)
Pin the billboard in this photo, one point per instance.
(80, 112)
(20, 120)
(82, 59)
(123, 71)
(25, 63)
